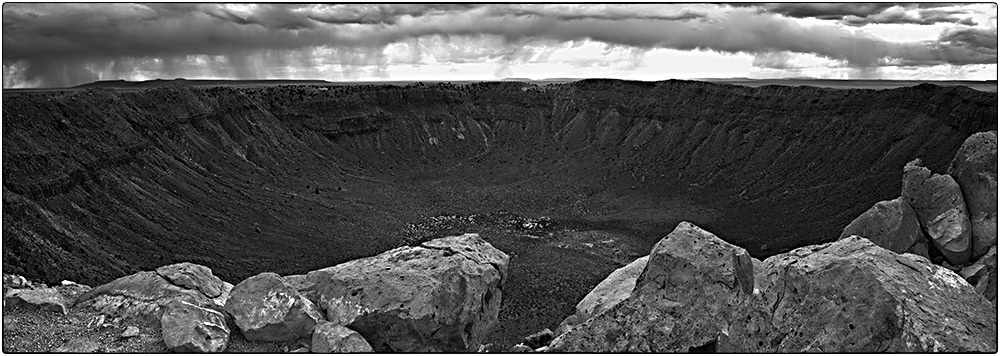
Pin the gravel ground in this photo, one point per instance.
(42, 331)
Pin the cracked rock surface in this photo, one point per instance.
(192, 276)
(43, 298)
(146, 294)
(891, 224)
(189, 328)
(267, 309)
(938, 202)
(441, 296)
(681, 302)
(332, 338)
(854, 296)
(975, 169)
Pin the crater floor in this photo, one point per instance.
(573, 180)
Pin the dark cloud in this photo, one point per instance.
(971, 38)
(606, 12)
(860, 14)
(834, 11)
(956, 46)
(824, 11)
(279, 17)
(381, 14)
(899, 16)
(66, 44)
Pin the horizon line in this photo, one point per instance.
(508, 79)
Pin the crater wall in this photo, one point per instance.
(100, 183)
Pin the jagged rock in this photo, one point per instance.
(265, 308)
(301, 350)
(983, 275)
(190, 328)
(854, 296)
(539, 339)
(682, 300)
(192, 276)
(111, 324)
(14, 281)
(44, 298)
(975, 169)
(78, 345)
(130, 331)
(938, 202)
(950, 266)
(611, 291)
(332, 338)
(441, 296)
(520, 348)
(72, 291)
(758, 272)
(221, 300)
(972, 273)
(142, 295)
(891, 224)
(96, 321)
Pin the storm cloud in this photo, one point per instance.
(69, 44)
(861, 14)
(922, 17)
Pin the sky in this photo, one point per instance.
(58, 45)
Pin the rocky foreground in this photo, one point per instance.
(913, 274)
(441, 296)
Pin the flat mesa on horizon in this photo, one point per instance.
(982, 85)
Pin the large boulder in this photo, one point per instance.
(611, 291)
(144, 295)
(265, 308)
(441, 296)
(854, 296)
(682, 300)
(332, 338)
(42, 298)
(192, 276)
(891, 224)
(189, 328)
(983, 275)
(975, 169)
(938, 201)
